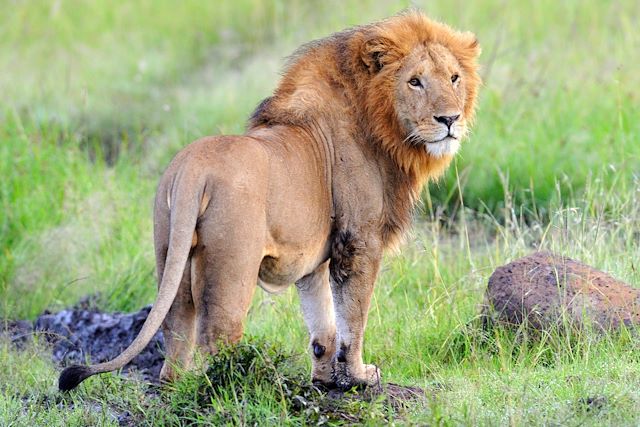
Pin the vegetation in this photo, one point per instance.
(97, 98)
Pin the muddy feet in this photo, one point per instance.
(346, 377)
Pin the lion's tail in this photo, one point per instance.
(183, 222)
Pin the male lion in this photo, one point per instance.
(323, 181)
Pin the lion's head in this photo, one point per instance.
(421, 86)
(430, 98)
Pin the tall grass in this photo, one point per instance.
(69, 226)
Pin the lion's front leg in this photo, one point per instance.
(317, 309)
(354, 266)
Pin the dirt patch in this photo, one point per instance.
(395, 396)
(81, 335)
(19, 332)
(85, 334)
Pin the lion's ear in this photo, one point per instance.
(376, 52)
(472, 44)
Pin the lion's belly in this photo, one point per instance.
(277, 273)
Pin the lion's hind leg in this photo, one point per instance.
(317, 309)
(226, 264)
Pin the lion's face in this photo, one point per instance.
(430, 98)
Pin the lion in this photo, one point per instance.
(324, 180)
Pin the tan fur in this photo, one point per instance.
(323, 181)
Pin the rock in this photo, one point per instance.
(547, 289)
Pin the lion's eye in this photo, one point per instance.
(415, 82)
(455, 78)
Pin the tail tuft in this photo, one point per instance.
(72, 376)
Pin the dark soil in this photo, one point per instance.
(18, 331)
(85, 334)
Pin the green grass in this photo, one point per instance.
(97, 98)
(69, 226)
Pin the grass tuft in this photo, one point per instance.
(256, 382)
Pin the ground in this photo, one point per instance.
(97, 99)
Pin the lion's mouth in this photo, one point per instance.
(417, 139)
(442, 139)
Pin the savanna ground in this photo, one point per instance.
(97, 98)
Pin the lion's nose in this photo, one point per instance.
(447, 120)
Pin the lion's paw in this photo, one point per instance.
(345, 378)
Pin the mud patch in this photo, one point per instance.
(81, 335)
(19, 332)
(85, 334)
(394, 395)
